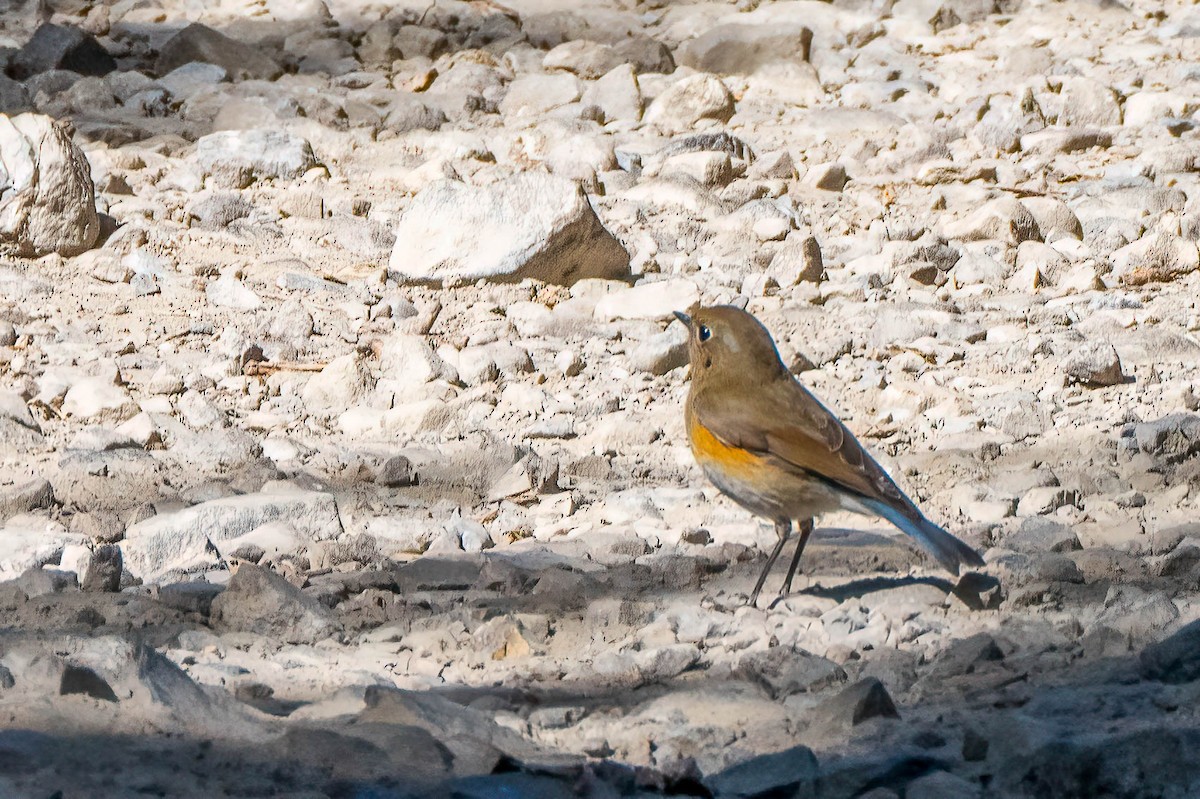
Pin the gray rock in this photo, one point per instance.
(1052, 214)
(1065, 140)
(397, 472)
(616, 94)
(645, 54)
(111, 480)
(1007, 119)
(976, 268)
(195, 409)
(974, 746)
(98, 400)
(413, 41)
(153, 102)
(199, 42)
(259, 601)
(1175, 659)
(43, 581)
(965, 656)
(365, 238)
(662, 352)
(291, 321)
(782, 671)
(530, 474)
(24, 498)
(408, 363)
(777, 165)
(1107, 234)
(1046, 499)
(127, 85)
(237, 158)
(528, 786)
(792, 772)
(532, 225)
(879, 793)
(377, 48)
(476, 365)
(658, 299)
(1001, 219)
(1138, 616)
(1159, 256)
(798, 260)
(588, 60)
(192, 78)
(47, 200)
(1087, 102)
(684, 104)
(103, 570)
(406, 112)
(190, 597)
(740, 49)
(174, 540)
(54, 82)
(472, 536)
(1039, 535)
(1151, 761)
(854, 704)
(61, 47)
(718, 142)
(532, 95)
(14, 97)
(1094, 364)
(229, 292)
(218, 209)
(942, 785)
(940, 16)
(138, 677)
(1172, 437)
(13, 407)
(82, 680)
(827, 177)
(338, 386)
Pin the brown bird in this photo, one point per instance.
(773, 448)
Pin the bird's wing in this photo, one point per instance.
(802, 434)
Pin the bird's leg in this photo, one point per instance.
(783, 528)
(806, 528)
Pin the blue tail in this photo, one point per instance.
(949, 551)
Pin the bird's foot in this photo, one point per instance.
(786, 591)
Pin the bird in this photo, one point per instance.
(772, 447)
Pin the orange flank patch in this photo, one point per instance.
(711, 452)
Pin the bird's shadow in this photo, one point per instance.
(856, 589)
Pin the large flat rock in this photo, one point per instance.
(529, 226)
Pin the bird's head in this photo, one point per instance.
(727, 344)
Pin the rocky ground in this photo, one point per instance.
(341, 447)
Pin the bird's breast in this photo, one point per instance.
(756, 481)
(713, 453)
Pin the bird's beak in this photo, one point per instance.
(682, 317)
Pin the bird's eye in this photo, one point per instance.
(703, 333)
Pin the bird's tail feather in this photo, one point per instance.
(948, 550)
